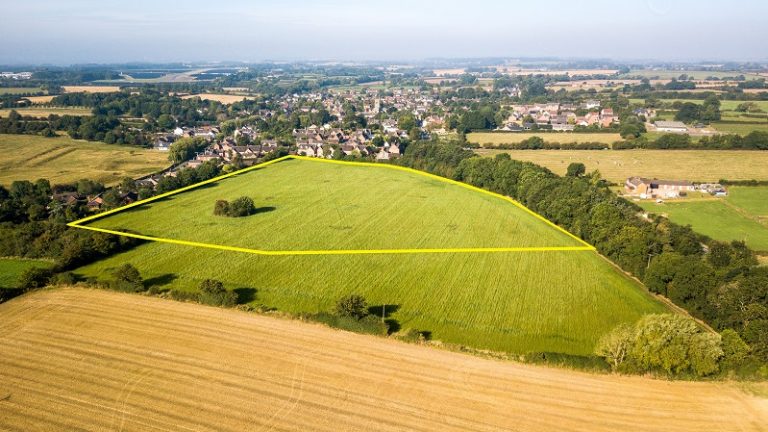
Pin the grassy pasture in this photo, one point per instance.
(741, 128)
(725, 105)
(12, 268)
(41, 112)
(517, 302)
(618, 165)
(742, 216)
(62, 159)
(497, 138)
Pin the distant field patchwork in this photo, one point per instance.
(509, 301)
(62, 159)
(497, 138)
(618, 165)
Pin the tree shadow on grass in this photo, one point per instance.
(383, 311)
(245, 295)
(161, 280)
(264, 210)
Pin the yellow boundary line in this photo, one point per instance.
(585, 246)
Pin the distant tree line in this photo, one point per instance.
(756, 140)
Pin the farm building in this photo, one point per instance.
(671, 126)
(654, 188)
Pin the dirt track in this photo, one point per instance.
(93, 360)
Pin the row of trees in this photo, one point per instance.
(723, 286)
(756, 140)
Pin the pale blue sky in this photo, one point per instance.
(78, 31)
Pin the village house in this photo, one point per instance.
(645, 188)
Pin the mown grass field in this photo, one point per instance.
(743, 215)
(618, 165)
(350, 207)
(12, 268)
(62, 159)
(41, 112)
(513, 301)
(741, 128)
(497, 138)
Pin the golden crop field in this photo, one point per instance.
(497, 138)
(41, 112)
(40, 99)
(91, 89)
(226, 99)
(618, 165)
(62, 159)
(76, 359)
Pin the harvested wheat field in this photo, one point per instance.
(91, 89)
(75, 359)
(225, 99)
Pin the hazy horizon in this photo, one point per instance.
(90, 31)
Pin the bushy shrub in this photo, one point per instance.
(34, 277)
(354, 306)
(212, 292)
(367, 325)
(240, 207)
(127, 279)
(670, 343)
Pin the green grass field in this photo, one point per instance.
(497, 138)
(12, 268)
(725, 105)
(618, 165)
(741, 128)
(62, 159)
(741, 216)
(512, 301)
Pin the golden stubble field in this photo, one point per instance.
(63, 159)
(226, 99)
(76, 359)
(618, 165)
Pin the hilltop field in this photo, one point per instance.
(525, 301)
(75, 359)
(62, 159)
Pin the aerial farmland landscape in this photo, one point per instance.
(367, 216)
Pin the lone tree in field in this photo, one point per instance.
(353, 306)
(240, 207)
(127, 278)
(576, 169)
